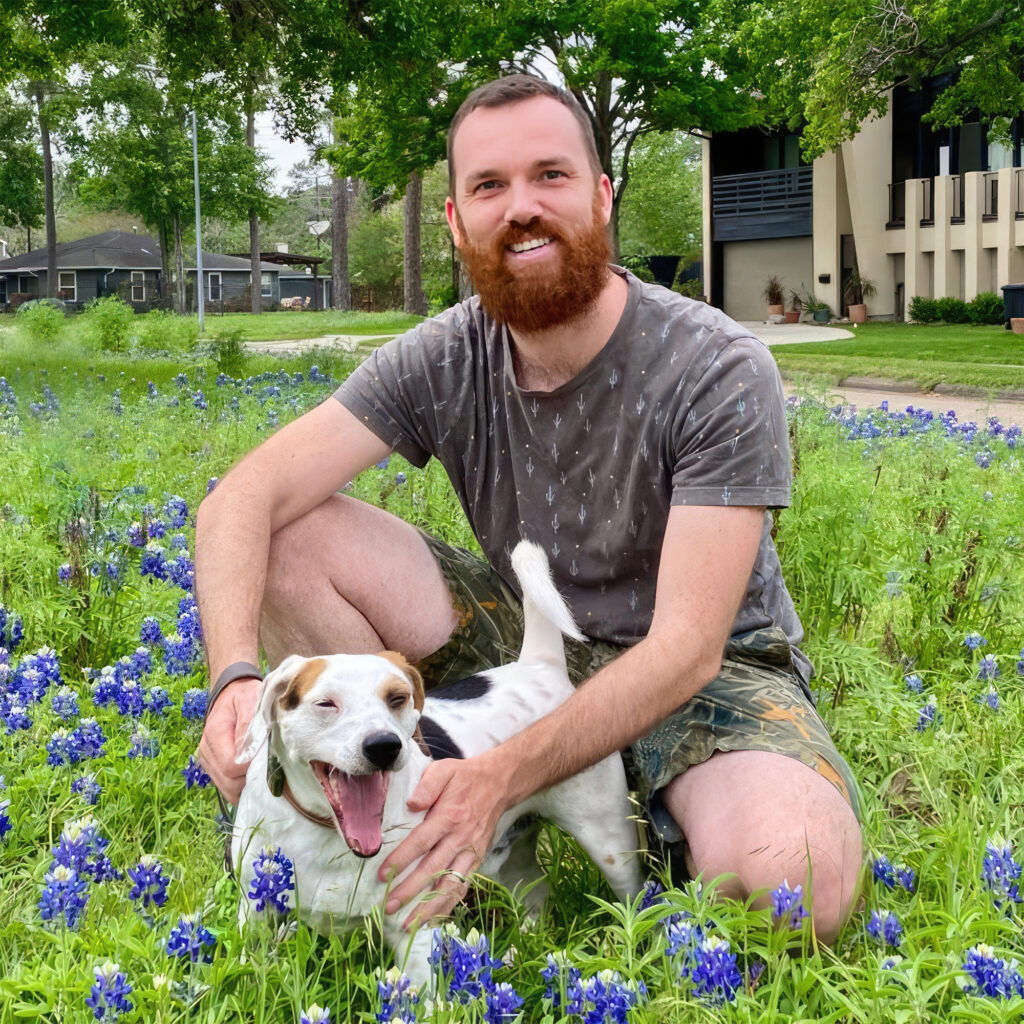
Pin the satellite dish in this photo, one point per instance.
(318, 227)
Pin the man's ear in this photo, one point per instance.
(410, 672)
(264, 718)
(453, 221)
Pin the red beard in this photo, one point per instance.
(532, 298)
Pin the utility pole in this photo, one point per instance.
(199, 230)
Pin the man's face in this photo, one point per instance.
(528, 216)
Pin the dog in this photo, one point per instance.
(338, 743)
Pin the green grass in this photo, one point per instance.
(284, 324)
(988, 357)
(893, 550)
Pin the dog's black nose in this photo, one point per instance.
(381, 749)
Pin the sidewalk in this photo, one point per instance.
(794, 334)
(295, 346)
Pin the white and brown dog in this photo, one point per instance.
(338, 744)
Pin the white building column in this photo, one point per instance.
(975, 272)
(825, 221)
(947, 270)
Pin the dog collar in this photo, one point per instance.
(317, 819)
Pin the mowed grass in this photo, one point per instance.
(283, 324)
(900, 542)
(988, 357)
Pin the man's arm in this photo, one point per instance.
(706, 560)
(292, 472)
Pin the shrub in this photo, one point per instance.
(953, 311)
(774, 291)
(162, 330)
(108, 323)
(986, 308)
(41, 320)
(228, 351)
(924, 310)
(691, 288)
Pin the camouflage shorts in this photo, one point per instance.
(756, 702)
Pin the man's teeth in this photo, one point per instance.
(534, 243)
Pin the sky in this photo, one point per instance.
(283, 154)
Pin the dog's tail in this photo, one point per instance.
(546, 616)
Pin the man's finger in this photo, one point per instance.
(418, 843)
(432, 782)
(437, 860)
(449, 891)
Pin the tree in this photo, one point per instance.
(21, 166)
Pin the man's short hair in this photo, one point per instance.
(511, 89)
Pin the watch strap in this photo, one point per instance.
(236, 670)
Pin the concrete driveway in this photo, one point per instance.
(794, 334)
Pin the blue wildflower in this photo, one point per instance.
(194, 774)
(81, 848)
(105, 687)
(5, 819)
(140, 662)
(130, 698)
(143, 743)
(973, 641)
(988, 668)
(193, 704)
(14, 715)
(60, 750)
(503, 1004)
(464, 964)
(150, 633)
(176, 510)
(990, 699)
(651, 895)
(398, 999)
(153, 563)
(789, 901)
(64, 895)
(107, 997)
(990, 975)
(891, 875)
(199, 400)
(87, 787)
(159, 701)
(914, 683)
(12, 630)
(64, 573)
(400, 479)
(136, 535)
(561, 975)
(383, 464)
(315, 1015)
(188, 938)
(999, 872)
(885, 928)
(150, 882)
(181, 654)
(211, 483)
(272, 880)
(712, 971)
(155, 529)
(927, 716)
(88, 739)
(181, 571)
(1020, 663)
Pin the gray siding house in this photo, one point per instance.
(294, 285)
(126, 264)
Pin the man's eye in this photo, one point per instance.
(487, 186)
(551, 175)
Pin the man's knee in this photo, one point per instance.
(761, 820)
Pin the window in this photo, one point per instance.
(138, 286)
(67, 285)
(266, 285)
(215, 292)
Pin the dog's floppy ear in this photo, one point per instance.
(410, 672)
(265, 715)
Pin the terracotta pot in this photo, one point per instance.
(1017, 324)
(775, 310)
(858, 313)
(792, 316)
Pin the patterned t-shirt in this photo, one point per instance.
(681, 406)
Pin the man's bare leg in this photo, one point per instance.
(349, 577)
(757, 817)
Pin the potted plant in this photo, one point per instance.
(774, 294)
(819, 310)
(796, 307)
(855, 291)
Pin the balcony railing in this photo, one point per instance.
(956, 215)
(990, 190)
(897, 204)
(764, 204)
(927, 201)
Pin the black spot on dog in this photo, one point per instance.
(439, 744)
(463, 689)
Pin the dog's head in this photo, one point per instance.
(350, 720)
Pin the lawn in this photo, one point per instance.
(987, 357)
(903, 553)
(284, 324)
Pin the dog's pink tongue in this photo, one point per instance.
(358, 805)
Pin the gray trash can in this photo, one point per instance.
(1013, 302)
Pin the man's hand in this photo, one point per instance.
(225, 729)
(463, 801)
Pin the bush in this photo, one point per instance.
(953, 311)
(691, 288)
(986, 308)
(924, 310)
(228, 351)
(108, 323)
(41, 320)
(162, 330)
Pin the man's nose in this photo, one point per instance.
(523, 204)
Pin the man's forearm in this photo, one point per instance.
(614, 708)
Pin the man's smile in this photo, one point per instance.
(531, 244)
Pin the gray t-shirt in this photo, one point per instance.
(682, 406)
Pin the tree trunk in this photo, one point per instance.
(341, 287)
(164, 235)
(180, 294)
(51, 217)
(256, 275)
(412, 263)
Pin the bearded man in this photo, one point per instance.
(640, 438)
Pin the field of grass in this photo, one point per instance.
(925, 355)
(903, 551)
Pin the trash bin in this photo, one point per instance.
(1013, 302)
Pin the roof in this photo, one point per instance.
(118, 250)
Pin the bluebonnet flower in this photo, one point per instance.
(155, 529)
(400, 479)
(12, 630)
(64, 572)
(194, 774)
(143, 743)
(140, 662)
(150, 633)
(107, 997)
(5, 819)
(1020, 663)
(87, 787)
(682, 933)
(158, 700)
(397, 998)
(651, 895)
(914, 683)
(35, 674)
(150, 882)
(464, 964)
(711, 968)
(105, 686)
(891, 875)
(885, 928)
(181, 380)
(60, 750)
(989, 975)
(181, 571)
(180, 654)
(990, 699)
(983, 459)
(316, 1015)
(64, 895)
(890, 963)
(14, 715)
(272, 880)
(153, 563)
(199, 400)
(999, 872)
(113, 570)
(136, 535)
(81, 848)
(211, 483)
(988, 668)
(973, 641)
(602, 999)
(927, 716)
(561, 975)
(193, 704)
(789, 901)
(151, 391)
(88, 739)
(131, 698)
(503, 1004)
(188, 938)
(383, 464)
(988, 496)
(176, 510)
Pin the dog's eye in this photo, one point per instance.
(325, 704)
(397, 701)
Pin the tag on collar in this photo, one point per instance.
(275, 774)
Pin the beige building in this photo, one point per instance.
(919, 212)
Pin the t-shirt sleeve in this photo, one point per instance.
(388, 393)
(730, 439)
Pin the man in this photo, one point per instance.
(640, 438)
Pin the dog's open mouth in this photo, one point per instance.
(357, 803)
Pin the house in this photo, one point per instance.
(917, 211)
(300, 286)
(126, 264)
